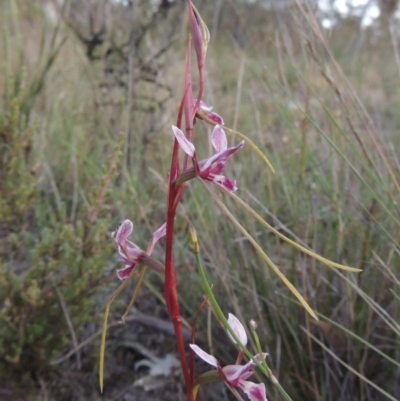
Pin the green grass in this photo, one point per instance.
(331, 136)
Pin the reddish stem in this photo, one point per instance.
(174, 195)
(171, 294)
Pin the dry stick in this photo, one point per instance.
(151, 321)
(239, 92)
(127, 158)
(70, 326)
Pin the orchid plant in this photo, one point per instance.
(210, 169)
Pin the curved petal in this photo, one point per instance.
(204, 355)
(255, 391)
(133, 251)
(228, 184)
(237, 328)
(220, 157)
(218, 139)
(234, 373)
(216, 118)
(217, 168)
(211, 115)
(159, 233)
(184, 143)
(124, 231)
(124, 273)
(203, 106)
(127, 249)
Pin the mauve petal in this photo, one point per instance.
(256, 392)
(216, 118)
(204, 356)
(228, 184)
(127, 262)
(220, 157)
(134, 252)
(206, 164)
(122, 254)
(248, 369)
(234, 373)
(184, 143)
(124, 273)
(223, 156)
(203, 106)
(160, 233)
(218, 139)
(217, 168)
(237, 328)
(124, 231)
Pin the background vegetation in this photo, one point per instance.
(87, 101)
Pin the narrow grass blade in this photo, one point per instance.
(288, 240)
(253, 145)
(136, 293)
(258, 248)
(362, 341)
(352, 370)
(103, 346)
(104, 330)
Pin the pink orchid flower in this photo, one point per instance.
(130, 253)
(205, 113)
(236, 375)
(210, 169)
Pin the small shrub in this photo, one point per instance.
(49, 265)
